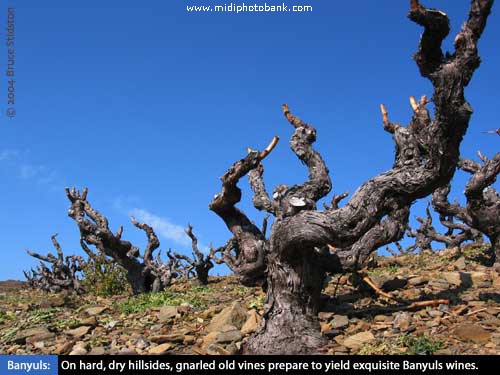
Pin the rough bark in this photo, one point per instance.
(146, 276)
(297, 254)
(482, 211)
(62, 274)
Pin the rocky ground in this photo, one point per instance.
(218, 318)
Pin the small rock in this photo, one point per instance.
(209, 339)
(357, 340)
(444, 308)
(492, 322)
(413, 293)
(209, 313)
(472, 332)
(91, 321)
(439, 284)
(110, 325)
(56, 301)
(78, 332)
(339, 321)
(460, 264)
(433, 323)
(161, 349)
(435, 313)
(127, 351)
(323, 315)
(184, 308)
(79, 349)
(496, 283)
(98, 350)
(167, 312)
(495, 340)
(93, 311)
(419, 280)
(228, 328)
(378, 280)
(252, 323)
(454, 278)
(325, 327)
(189, 340)
(141, 344)
(40, 337)
(21, 336)
(480, 279)
(402, 321)
(230, 336)
(362, 326)
(63, 348)
(156, 327)
(421, 313)
(39, 345)
(232, 315)
(160, 339)
(382, 319)
(477, 304)
(214, 349)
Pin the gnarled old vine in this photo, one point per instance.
(62, 274)
(296, 256)
(482, 211)
(457, 233)
(149, 275)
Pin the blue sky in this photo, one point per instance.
(148, 105)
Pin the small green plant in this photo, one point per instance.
(475, 249)
(375, 272)
(99, 341)
(201, 289)
(103, 277)
(62, 324)
(166, 298)
(383, 347)
(257, 303)
(5, 316)
(41, 316)
(241, 291)
(8, 334)
(393, 268)
(404, 344)
(420, 345)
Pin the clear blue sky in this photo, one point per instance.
(148, 105)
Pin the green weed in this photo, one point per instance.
(103, 277)
(257, 303)
(144, 301)
(420, 345)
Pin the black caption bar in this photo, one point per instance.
(291, 365)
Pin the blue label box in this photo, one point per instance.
(28, 365)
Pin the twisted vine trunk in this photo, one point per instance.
(482, 211)
(150, 275)
(296, 256)
(292, 305)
